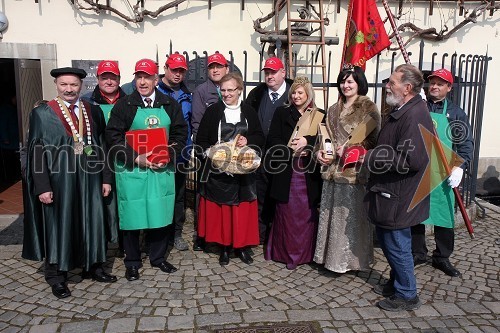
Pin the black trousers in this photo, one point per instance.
(445, 242)
(53, 275)
(179, 208)
(157, 240)
(265, 203)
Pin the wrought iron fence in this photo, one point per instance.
(468, 91)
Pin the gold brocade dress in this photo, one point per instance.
(345, 237)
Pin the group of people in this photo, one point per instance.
(304, 203)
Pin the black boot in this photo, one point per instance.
(244, 255)
(224, 256)
(199, 244)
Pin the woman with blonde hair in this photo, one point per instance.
(295, 181)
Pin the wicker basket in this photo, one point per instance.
(228, 158)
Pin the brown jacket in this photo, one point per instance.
(340, 123)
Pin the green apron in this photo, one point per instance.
(106, 111)
(145, 196)
(442, 200)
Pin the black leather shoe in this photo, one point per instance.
(102, 276)
(446, 267)
(199, 244)
(132, 273)
(417, 261)
(244, 256)
(224, 256)
(166, 267)
(60, 290)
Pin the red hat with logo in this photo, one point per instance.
(444, 74)
(108, 66)
(273, 64)
(351, 156)
(175, 61)
(147, 66)
(217, 58)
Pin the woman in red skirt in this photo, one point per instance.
(228, 210)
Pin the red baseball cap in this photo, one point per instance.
(175, 61)
(351, 156)
(108, 66)
(217, 58)
(443, 74)
(147, 66)
(273, 64)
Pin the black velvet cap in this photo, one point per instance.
(68, 70)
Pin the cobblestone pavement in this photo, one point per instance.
(203, 296)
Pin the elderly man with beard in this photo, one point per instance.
(67, 178)
(397, 166)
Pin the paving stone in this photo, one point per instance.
(493, 306)
(268, 316)
(83, 326)
(152, 324)
(307, 315)
(120, 325)
(180, 322)
(48, 328)
(217, 319)
(344, 314)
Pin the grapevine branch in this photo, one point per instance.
(431, 34)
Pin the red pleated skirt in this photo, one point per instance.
(236, 225)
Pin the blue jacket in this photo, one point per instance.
(185, 101)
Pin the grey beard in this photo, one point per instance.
(394, 100)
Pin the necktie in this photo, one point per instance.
(71, 109)
(274, 96)
(148, 101)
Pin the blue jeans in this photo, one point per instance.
(396, 245)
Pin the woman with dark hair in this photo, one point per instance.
(228, 213)
(295, 181)
(344, 240)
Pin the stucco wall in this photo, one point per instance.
(192, 27)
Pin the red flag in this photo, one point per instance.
(365, 33)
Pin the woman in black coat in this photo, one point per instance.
(228, 213)
(295, 182)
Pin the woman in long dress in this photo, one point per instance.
(228, 213)
(295, 181)
(344, 240)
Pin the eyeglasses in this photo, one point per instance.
(229, 91)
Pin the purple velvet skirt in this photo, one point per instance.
(293, 233)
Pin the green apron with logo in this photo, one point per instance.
(442, 199)
(146, 196)
(106, 111)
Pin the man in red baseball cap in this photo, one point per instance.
(171, 84)
(444, 114)
(265, 98)
(105, 95)
(207, 93)
(107, 91)
(146, 188)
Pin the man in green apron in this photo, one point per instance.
(145, 189)
(105, 95)
(454, 131)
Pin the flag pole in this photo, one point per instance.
(460, 202)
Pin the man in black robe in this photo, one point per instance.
(67, 178)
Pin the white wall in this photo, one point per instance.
(192, 27)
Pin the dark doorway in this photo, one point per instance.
(10, 170)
